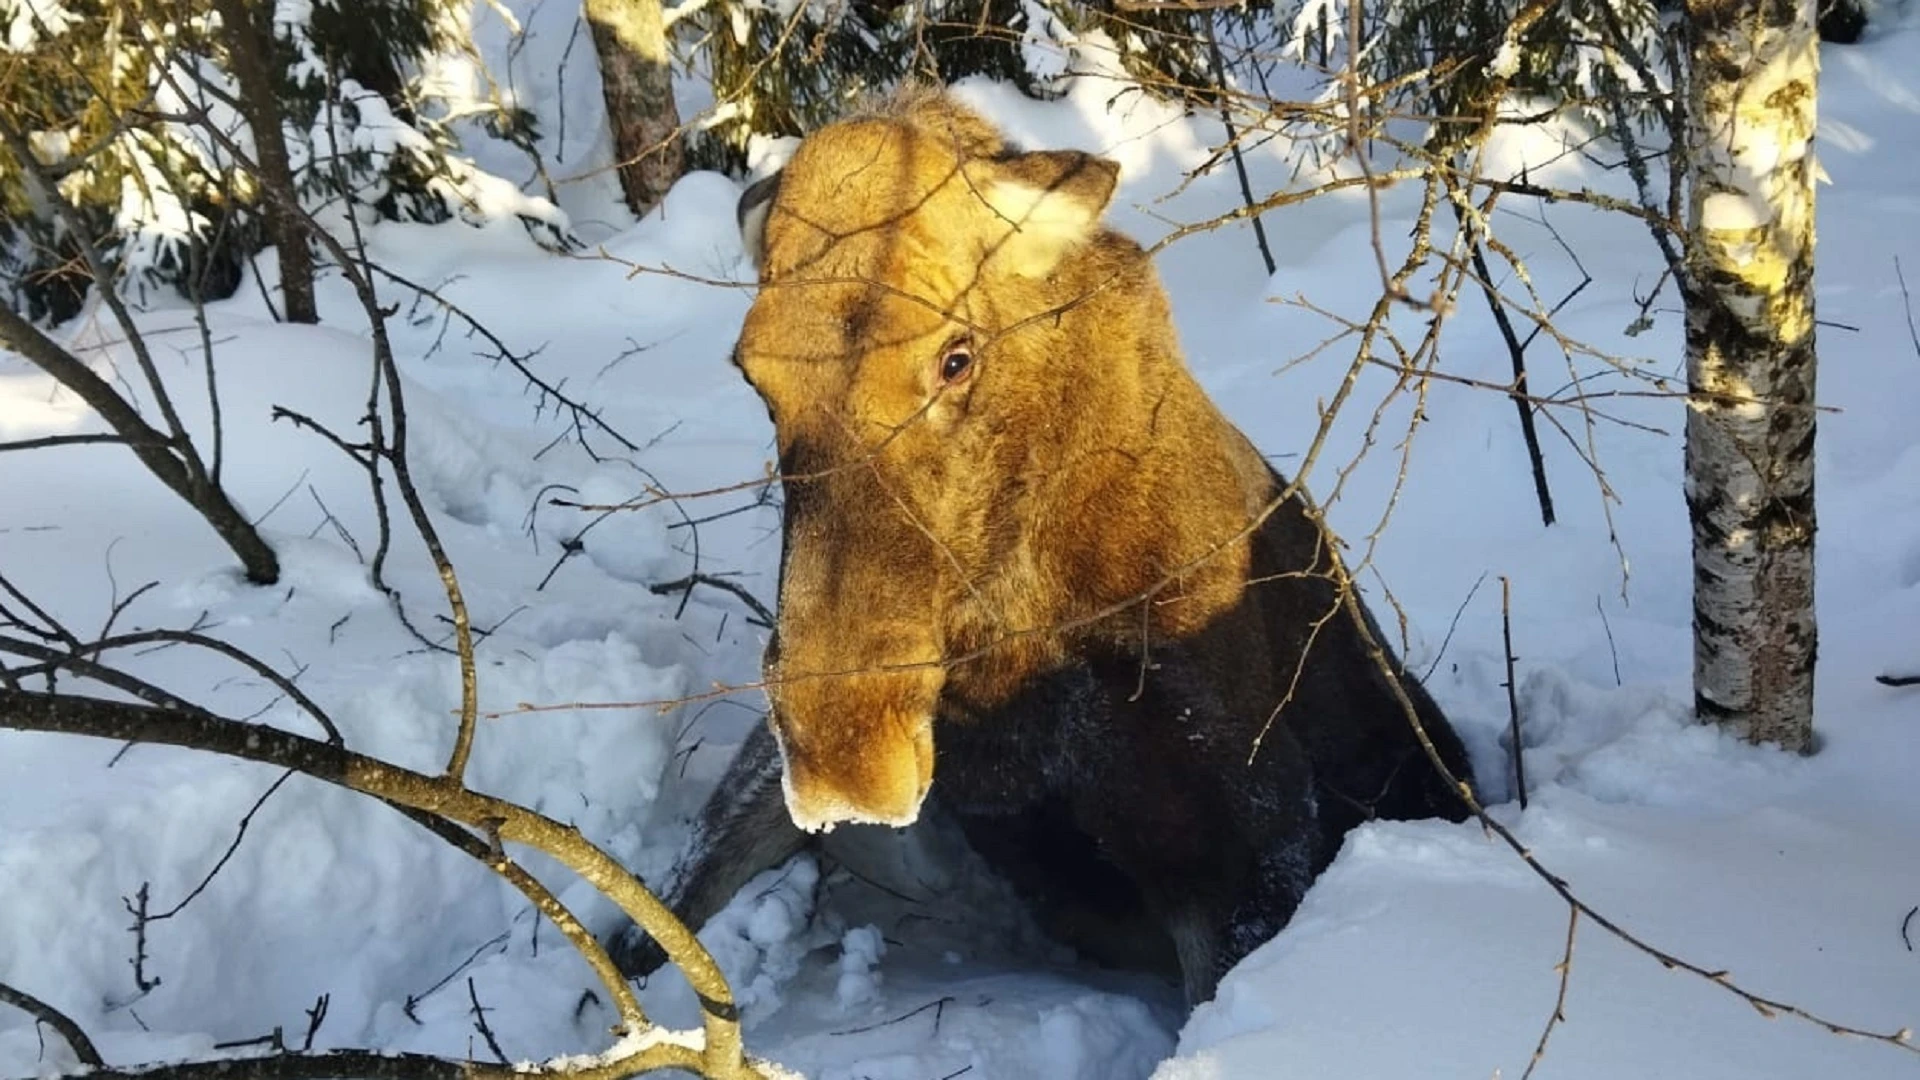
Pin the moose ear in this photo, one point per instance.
(755, 203)
(1051, 202)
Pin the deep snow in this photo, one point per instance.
(1427, 950)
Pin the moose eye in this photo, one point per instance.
(956, 362)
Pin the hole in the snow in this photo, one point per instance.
(878, 945)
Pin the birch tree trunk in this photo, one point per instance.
(630, 39)
(1750, 363)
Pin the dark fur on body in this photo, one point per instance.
(1036, 594)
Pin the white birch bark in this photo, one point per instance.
(1750, 363)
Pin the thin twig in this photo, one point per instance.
(480, 1023)
(1559, 1014)
(53, 629)
(76, 659)
(239, 834)
(1233, 146)
(465, 841)
(275, 1040)
(1630, 146)
(1517, 353)
(1513, 698)
(388, 370)
(1906, 305)
(315, 1017)
(46, 441)
(938, 1005)
(1452, 626)
(1612, 651)
(581, 414)
(137, 907)
(763, 617)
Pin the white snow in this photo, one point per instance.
(28, 21)
(1734, 210)
(1506, 59)
(1426, 950)
(1046, 47)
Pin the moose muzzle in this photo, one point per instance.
(857, 745)
(855, 670)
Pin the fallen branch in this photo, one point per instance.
(55, 1019)
(720, 1056)
(373, 1065)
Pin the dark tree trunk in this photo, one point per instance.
(247, 30)
(1842, 21)
(630, 38)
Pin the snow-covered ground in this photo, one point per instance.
(1426, 950)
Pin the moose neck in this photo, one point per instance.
(1145, 498)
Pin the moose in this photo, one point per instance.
(1031, 572)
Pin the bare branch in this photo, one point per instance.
(46, 441)
(29, 164)
(147, 637)
(632, 1017)
(582, 415)
(239, 834)
(480, 1023)
(686, 584)
(195, 728)
(46, 1014)
(1559, 1014)
(169, 459)
(1513, 694)
(375, 1065)
(1517, 352)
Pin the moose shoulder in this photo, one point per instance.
(1030, 570)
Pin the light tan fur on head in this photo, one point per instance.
(939, 521)
(900, 164)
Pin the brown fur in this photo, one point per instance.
(1043, 590)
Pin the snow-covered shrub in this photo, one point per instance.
(131, 112)
(1450, 60)
(779, 68)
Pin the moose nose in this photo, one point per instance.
(876, 774)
